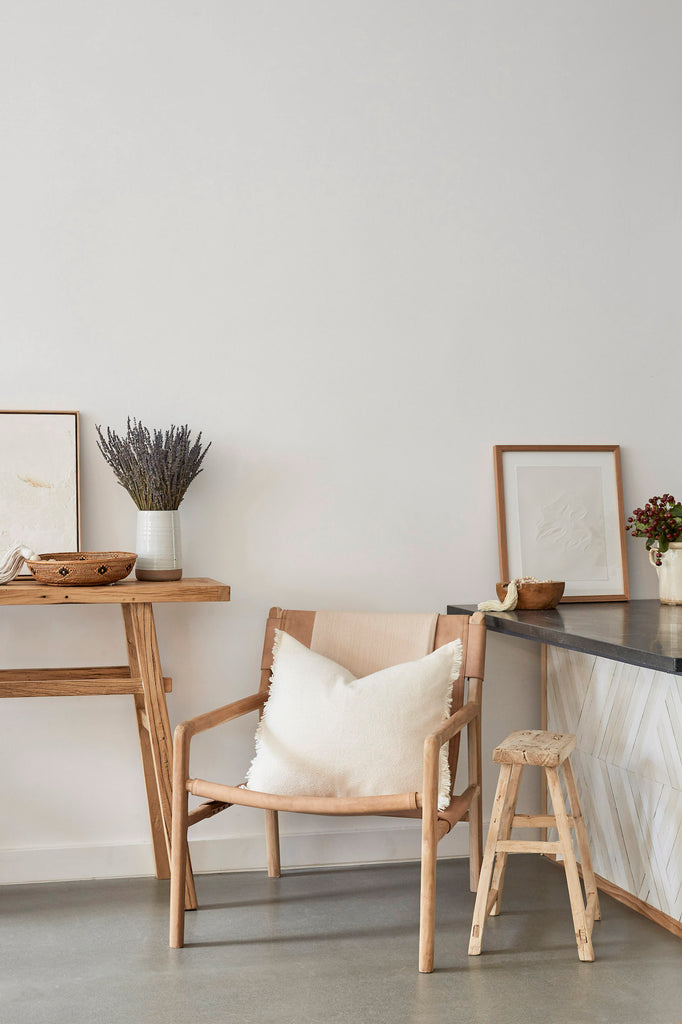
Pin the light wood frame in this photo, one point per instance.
(466, 806)
(614, 531)
(36, 541)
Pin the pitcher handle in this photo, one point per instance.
(652, 557)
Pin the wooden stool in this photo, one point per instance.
(548, 750)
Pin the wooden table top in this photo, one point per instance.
(25, 592)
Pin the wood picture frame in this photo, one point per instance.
(560, 516)
(40, 480)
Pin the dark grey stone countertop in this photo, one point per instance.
(644, 633)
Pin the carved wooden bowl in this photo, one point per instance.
(535, 596)
(81, 568)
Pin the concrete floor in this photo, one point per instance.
(331, 946)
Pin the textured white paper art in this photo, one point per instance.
(38, 485)
(562, 524)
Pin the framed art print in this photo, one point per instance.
(39, 480)
(560, 516)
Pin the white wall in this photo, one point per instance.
(357, 244)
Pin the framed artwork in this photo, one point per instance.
(560, 516)
(39, 480)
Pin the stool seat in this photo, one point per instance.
(551, 752)
(536, 747)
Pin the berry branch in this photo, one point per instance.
(660, 522)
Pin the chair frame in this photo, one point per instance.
(465, 806)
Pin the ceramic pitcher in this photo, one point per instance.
(669, 574)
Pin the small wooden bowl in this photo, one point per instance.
(535, 596)
(82, 568)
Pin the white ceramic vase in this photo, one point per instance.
(669, 573)
(158, 546)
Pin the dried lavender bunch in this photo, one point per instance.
(157, 467)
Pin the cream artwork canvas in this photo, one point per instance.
(39, 485)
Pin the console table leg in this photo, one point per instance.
(161, 862)
(144, 660)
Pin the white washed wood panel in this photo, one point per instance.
(628, 766)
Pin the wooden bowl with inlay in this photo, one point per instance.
(534, 596)
(81, 568)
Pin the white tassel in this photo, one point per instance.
(12, 561)
(509, 603)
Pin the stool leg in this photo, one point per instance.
(575, 893)
(505, 831)
(480, 907)
(583, 845)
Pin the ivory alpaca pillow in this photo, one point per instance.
(326, 733)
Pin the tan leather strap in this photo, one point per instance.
(367, 642)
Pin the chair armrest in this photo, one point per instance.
(432, 744)
(186, 730)
(210, 719)
(454, 724)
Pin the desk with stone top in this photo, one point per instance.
(612, 675)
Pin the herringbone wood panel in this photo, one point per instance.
(628, 765)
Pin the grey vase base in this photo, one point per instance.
(158, 575)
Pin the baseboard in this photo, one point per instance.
(70, 863)
(671, 924)
(399, 842)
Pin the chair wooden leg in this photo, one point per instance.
(427, 908)
(427, 900)
(580, 924)
(179, 829)
(476, 809)
(475, 841)
(481, 906)
(505, 832)
(272, 843)
(178, 869)
(589, 880)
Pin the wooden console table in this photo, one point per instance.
(141, 677)
(612, 674)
